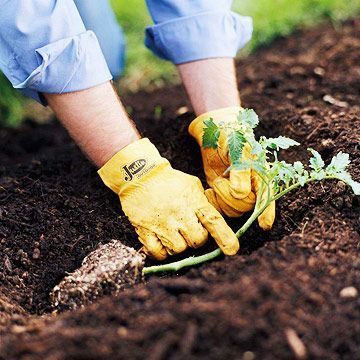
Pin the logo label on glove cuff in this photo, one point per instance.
(133, 169)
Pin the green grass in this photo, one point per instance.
(272, 18)
(280, 17)
(143, 69)
(12, 104)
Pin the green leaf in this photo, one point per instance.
(299, 167)
(346, 178)
(316, 162)
(318, 174)
(281, 142)
(260, 168)
(302, 175)
(243, 165)
(302, 179)
(355, 186)
(236, 142)
(338, 163)
(286, 172)
(211, 134)
(248, 117)
(256, 148)
(274, 169)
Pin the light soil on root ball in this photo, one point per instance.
(107, 270)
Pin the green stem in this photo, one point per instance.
(296, 185)
(250, 220)
(195, 260)
(177, 265)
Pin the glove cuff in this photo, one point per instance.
(130, 165)
(196, 127)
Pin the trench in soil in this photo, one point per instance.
(54, 210)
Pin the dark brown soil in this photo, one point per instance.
(282, 297)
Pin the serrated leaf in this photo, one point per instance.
(302, 180)
(256, 148)
(355, 186)
(316, 162)
(281, 142)
(346, 177)
(211, 134)
(236, 142)
(286, 172)
(299, 167)
(338, 163)
(259, 168)
(318, 175)
(274, 168)
(248, 117)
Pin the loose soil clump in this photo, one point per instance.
(107, 270)
(292, 292)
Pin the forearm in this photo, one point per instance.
(96, 120)
(210, 84)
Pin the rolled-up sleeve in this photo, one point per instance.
(45, 48)
(187, 30)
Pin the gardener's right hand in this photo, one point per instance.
(167, 207)
(234, 193)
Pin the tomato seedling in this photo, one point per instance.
(278, 177)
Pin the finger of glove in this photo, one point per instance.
(193, 232)
(147, 253)
(227, 209)
(173, 241)
(240, 183)
(240, 180)
(152, 244)
(214, 163)
(218, 229)
(267, 218)
(223, 149)
(221, 187)
(220, 205)
(211, 196)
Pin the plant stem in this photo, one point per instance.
(249, 221)
(296, 185)
(195, 260)
(175, 266)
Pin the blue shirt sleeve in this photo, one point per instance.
(45, 48)
(187, 30)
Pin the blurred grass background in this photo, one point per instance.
(272, 18)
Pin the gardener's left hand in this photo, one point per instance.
(234, 193)
(167, 207)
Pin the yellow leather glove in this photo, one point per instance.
(167, 207)
(236, 192)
